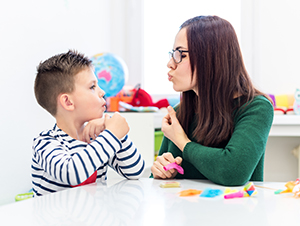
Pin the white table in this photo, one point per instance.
(142, 202)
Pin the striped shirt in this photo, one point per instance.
(60, 161)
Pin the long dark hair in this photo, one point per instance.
(217, 63)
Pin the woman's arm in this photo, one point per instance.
(234, 164)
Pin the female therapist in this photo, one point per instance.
(220, 128)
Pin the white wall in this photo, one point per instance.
(270, 42)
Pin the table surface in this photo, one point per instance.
(144, 202)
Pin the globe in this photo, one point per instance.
(111, 72)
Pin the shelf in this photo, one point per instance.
(286, 120)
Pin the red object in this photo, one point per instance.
(90, 180)
(141, 98)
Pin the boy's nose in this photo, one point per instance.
(101, 92)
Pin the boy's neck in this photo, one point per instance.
(70, 128)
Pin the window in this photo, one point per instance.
(161, 24)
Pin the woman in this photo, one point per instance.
(220, 128)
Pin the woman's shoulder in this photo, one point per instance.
(259, 106)
(261, 101)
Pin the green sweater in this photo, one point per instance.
(239, 160)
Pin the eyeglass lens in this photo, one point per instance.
(176, 54)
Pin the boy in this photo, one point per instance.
(65, 156)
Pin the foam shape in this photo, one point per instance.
(250, 192)
(210, 193)
(250, 189)
(170, 184)
(229, 190)
(175, 166)
(190, 192)
(239, 194)
(278, 191)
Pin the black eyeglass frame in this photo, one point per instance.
(180, 51)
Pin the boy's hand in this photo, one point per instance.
(93, 129)
(157, 168)
(117, 125)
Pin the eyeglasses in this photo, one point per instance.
(177, 55)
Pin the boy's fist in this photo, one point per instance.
(116, 124)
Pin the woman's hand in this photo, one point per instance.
(93, 129)
(173, 130)
(161, 161)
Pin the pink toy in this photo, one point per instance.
(175, 166)
(238, 194)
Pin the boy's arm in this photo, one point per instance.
(128, 162)
(73, 165)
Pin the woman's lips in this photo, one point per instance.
(170, 77)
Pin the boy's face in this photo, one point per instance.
(87, 97)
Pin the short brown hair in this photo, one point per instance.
(56, 75)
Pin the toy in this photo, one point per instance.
(175, 166)
(229, 191)
(249, 190)
(137, 99)
(113, 102)
(24, 196)
(211, 193)
(138, 109)
(291, 187)
(190, 192)
(283, 104)
(297, 102)
(170, 184)
(238, 194)
(141, 98)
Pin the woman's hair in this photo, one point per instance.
(217, 63)
(56, 75)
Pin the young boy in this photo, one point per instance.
(65, 156)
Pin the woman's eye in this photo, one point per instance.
(183, 56)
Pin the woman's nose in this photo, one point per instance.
(171, 64)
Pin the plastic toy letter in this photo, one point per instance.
(175, 166)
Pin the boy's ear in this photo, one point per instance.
(66, 102)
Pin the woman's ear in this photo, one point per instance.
(66, 102)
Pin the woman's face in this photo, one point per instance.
(180, 73)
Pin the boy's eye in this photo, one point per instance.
(93, 87)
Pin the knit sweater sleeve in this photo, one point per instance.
(235, 163)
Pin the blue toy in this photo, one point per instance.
(297, 102)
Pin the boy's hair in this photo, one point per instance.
(56, 75)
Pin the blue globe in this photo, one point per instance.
(111, 72)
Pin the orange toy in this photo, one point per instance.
(190, 192)
(292, 187)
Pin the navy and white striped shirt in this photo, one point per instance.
(60, 161)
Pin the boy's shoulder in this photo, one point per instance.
(50, 133)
